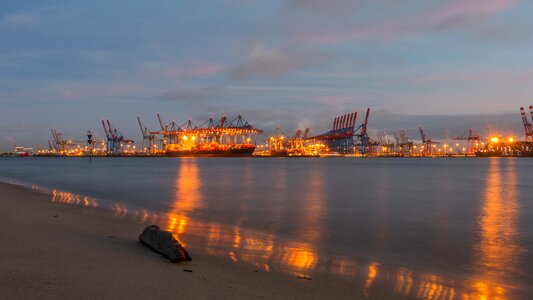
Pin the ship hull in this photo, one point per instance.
(505, 154)
(246, 152)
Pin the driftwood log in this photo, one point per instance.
(164, 243)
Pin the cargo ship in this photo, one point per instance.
(210, 150)
(509, 148)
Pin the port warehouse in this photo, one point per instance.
(223, 136)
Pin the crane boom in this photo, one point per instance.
(144, 130)
(161, 123)
(222, 121)
(105, 129)
(364, 129)
(396, 137)
(527, 125)
(110, 129)
(531, 112)
(354, 119)
(422, 134)
(298, 134)
(306, 133)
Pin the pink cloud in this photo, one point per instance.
(119, 89)
(202, 68)
(337, 101)
(450, 15)
(178, 72)
(481, 76)
(474, 8)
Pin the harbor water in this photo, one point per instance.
(438, 228)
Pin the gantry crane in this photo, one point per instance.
(148, 137)
(527, 126)
(427, 142)
(169, 131)
(406, 145)
(472, 139)
(115, 139)
(59, 143)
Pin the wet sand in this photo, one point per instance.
(55, 250)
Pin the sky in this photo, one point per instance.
(447, 65)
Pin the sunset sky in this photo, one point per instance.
(446, 65)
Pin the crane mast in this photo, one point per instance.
(426, 141)
(527, 126)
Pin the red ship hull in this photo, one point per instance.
(232, 151)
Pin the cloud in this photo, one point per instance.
(194, 94)
(262, 62)
(22, 19)
(9, 139)
(19, 58)
(388, 24)
(196, 69)
(325, 6)
(98, 90)
(459, 14)
(15, 128)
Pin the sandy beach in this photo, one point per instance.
(55, 250)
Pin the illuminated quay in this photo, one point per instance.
(223, 137)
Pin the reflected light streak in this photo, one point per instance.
(187, 199)
(303, 256)
(498, 251)
(71, 198)
(299, 258)
(312, 210)
(372, 273)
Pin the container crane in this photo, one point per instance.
(306, 133)
(406, 145)
(396, 143)
(170, 131)
(427, 142)
(59, 143)
(531, 114)
(361, 139)
(472, 139)
(148, 138)
(527, 126)
(115, 139)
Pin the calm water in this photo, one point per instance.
(421, 228)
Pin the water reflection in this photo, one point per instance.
(372, 272)
(304, 255)
(498, 250)
(404, 282)
(188, 196)
(71, 198)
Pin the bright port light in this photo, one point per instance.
(184, 137)
(494, 139)
(511, 139)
